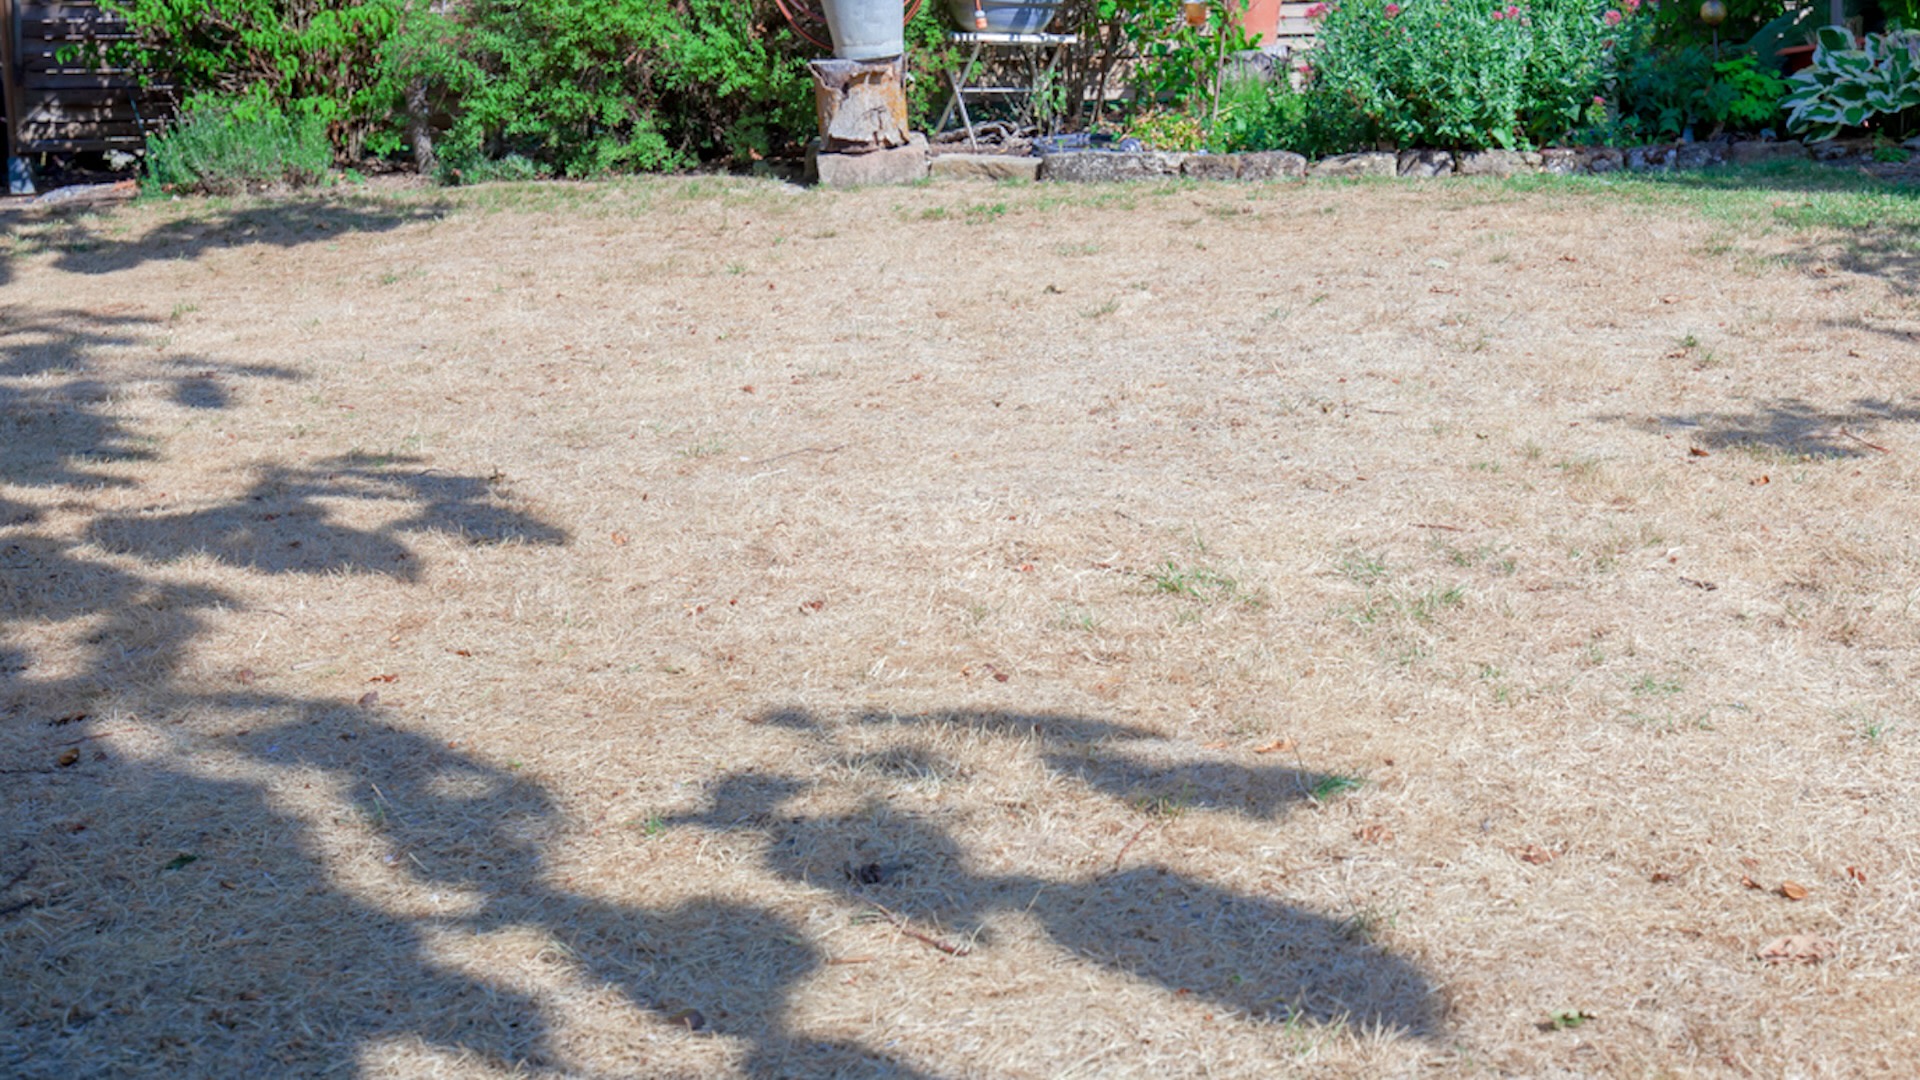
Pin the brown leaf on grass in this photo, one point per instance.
(385, 678)
(1277, 746)
(1535, 854)
(1798, 949)
(1763, 478)
(1660, 877)
(68, 758)
(1858, 875)
(811, 606)
(1694, 451)
(1374, 834)
(1793, 890)
(1747, 880)
(620, 539)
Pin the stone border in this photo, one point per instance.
(1103, 166)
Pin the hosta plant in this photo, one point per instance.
(1847, 85)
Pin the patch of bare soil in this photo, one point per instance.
(698, 628)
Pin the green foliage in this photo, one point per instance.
(224, 152)
(313, 58)
(1466, 74)
(1848, 86)
(1177, 62)
(1257, 115)
(584, 87)
(1665, 91)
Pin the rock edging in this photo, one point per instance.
(1099, 166)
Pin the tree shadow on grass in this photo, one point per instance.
(200, 876)
(1258, 957)
(1786, 427)
(84, 243)
(1877, 236)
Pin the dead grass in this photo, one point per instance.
(696, 627)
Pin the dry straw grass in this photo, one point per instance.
(689, 627)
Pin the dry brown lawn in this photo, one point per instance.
(696, 628)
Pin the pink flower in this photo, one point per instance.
(1611, 18)
(1633, 5)
(1319, 11)
(1392, 10)
(1498, 15)
(1513, 12)
(1598, 100)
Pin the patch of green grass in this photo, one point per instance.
(986, 211)
(1197, 582)
(1362, 568)
(1331, 785)
(1654, 686)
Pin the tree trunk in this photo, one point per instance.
(862, 104)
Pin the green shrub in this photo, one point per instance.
(1467, 74)
(1663, 91)
(314, 58)
(227, 151)
(583, 87)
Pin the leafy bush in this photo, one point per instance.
(310, 58)
(1848, 86)
(224, 152)
(1665, 91)
(1468, 74)
(594, 86)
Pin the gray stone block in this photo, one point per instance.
(1496, 163)
(901, 165)
(1696, 155)
(1746, 153)
(1211, 166)
(1100, 166)
(1425, 164)
(1367, 163)
(984, 167)
(1272, 165)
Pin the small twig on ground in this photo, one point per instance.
(1122, 853)
(1863, 442)
(804, 450)
(901, 924)
(1449, 528)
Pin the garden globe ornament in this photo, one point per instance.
(1713, 13)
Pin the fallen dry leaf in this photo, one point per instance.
(1535, 854)
(1374, 834)
(1858, 875)
(1748, 881)
(68, 758)
(1277, 746)
(1798, 949)
(1793, 890)
(620, 539)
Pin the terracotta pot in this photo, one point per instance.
(1795, 58)
(1261, 19)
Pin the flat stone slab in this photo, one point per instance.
(1368, 163)
(1746, 153)
(1101, 166)
(1497, 163)
(984, 167)
(901, 165)
(1272, 165)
